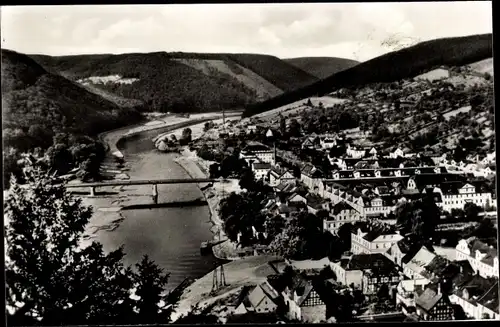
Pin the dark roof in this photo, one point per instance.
(375, 231)
(437, 268)
(285, 187)
(475, 244)
(424, 180)
(315, 201)
(243, 294)
(277, 282)
(261, 165)
(376, 262)
(490, 298)
(465, 275)
(382, 189)
(428, 299)
(477, 289)
(256, 147)
(404, 246)
(276, 171)
(310, 170)
(341, 206)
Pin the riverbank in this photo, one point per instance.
(198, 168)
(108, 214)
(239, 273)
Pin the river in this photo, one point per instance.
(170, 236)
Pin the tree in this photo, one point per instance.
(472, 211)
(247, 180)
(383, 293)
(60, 158)
(51, 278)
(206, 127)
(301, 237)
(186, 135)
(273, 226)
(10, 165)
(294, 129)
(418, 217)
(214, 170)
(150, 281)
(282, 125)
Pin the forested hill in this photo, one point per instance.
(53, 117)
(405, 63)
(322, 67)
(33, 98)
(183, 82)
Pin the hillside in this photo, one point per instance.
(321, 67)
(183, 82)
(405, 63)
(35, 101)
(483, 66)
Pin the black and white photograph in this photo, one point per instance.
(251, 163)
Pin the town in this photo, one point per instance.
(377, 217)
(263, 163)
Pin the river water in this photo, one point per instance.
(170, 236)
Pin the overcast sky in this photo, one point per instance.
(355, 30)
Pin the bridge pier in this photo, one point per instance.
(92, 191)
(155, 193)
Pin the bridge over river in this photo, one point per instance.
(153, 182)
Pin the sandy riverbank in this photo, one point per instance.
(107, 214)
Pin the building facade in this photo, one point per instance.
(482, 258)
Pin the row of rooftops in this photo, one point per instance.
(437, 269)
(459, 274)
(387, 172)
(479, 290)
(256, 147)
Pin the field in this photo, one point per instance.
(293, 108)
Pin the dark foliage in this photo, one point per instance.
(165, 84)
(58, 280)
(322, 67)
(38, 105)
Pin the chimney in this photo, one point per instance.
(439, 288)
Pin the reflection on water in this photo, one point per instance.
(170, 236)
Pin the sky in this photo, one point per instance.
(359, 31)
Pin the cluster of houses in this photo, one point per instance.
(429, 284)
(363, 193)
(295, 296)
(479, 166)
(421, 282)
(424, 282)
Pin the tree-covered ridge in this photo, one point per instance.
(322, 67)
(394, 66)
(164, 84)
(37, 106)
